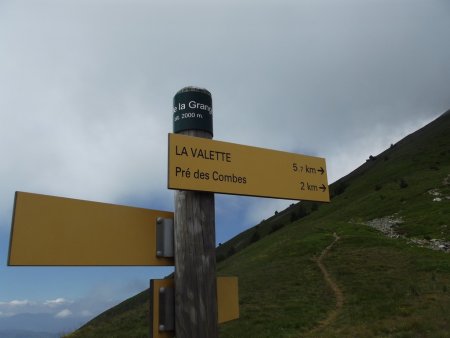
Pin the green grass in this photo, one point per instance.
(276, 269)
(391, 288)
(128, 319)
(384, 281)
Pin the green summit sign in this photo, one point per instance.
(192, 110)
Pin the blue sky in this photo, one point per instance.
(86, 90)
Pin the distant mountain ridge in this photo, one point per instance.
(390, 287)
(30, 325)
(27, 334)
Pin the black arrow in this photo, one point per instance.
(323, 187)
(321, 171)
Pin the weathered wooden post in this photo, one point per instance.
(194, 230)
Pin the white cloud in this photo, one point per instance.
(19, 303)
(86, 114)
(13, 307)
(100, 298)
(63, 314)
(57, 302)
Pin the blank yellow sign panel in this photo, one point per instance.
(55, 231)
(227, 299)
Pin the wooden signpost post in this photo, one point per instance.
(194, 229)
(199, 166)
(48, 230)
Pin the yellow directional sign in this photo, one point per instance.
(55, 231)
(227, 299)
(206, 165)
(227, 303)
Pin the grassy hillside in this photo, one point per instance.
(128, 319)
(318, 270)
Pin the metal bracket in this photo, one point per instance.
(164, 237)
(166, 309)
